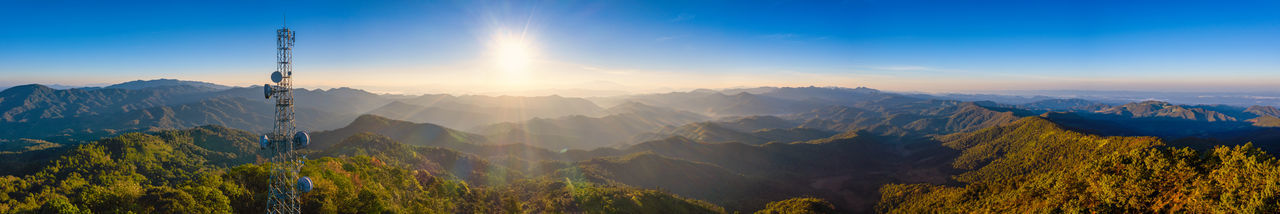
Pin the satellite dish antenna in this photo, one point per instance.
(266, 91)
(265, 140)
(301, 139)
(276, 77)
(304, 184)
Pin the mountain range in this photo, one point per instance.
(856, 150)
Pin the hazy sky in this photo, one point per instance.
(496, 46)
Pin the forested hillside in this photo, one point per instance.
(1035, 166)
(194, 171)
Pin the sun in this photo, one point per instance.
(514, 58)
(511, 53)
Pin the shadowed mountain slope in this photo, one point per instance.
(620, 127)
(1066, 105)
(686, 178)
(459, 118)
(438, 161)
(756, 122)
(417, 134)
(719, 132)
(846, 170)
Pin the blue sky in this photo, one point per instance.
(644, 46)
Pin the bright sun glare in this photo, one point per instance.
(512, 53)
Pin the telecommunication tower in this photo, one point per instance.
(282, 149)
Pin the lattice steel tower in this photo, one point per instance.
(285, 183)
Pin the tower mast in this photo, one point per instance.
(284, 185)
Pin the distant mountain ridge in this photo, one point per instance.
(337, 100)
(752, 130)
(618, 126)
(571, 122)
(1160, 109)
(921, 117)
(1263, 111)
(1066, 105)
(232, 112)
(31, 102)
(720, 104)
(144, 84)
(466, 112)
(418, 134)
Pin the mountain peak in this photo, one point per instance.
(144, 84)
(367, 120)
(1060, 114)
(865, 89)
(409, 133)
(1153, 102)
(986, 103)
(1155, 108)
(28, 88)
(1264, 111)
(366, 140)
(347, 91)
(630, 105)
(836, 89)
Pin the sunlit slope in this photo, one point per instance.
(1034, 166)
(1031, 145)
(1158, 109)
(911, 117)
(190, 171)
(171, 171)
(436, 165)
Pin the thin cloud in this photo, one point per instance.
(793, 38)
(666, 38)
(912, 68)
(683, 17)
(905, 68)
(607, 71)
(780, 36)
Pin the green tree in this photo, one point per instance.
(805, 205)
